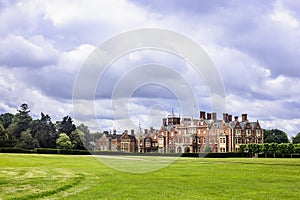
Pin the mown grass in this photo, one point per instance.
(25, 176)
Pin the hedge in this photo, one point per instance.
(15, 150)
(194, 155)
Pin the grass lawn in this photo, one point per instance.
(30, 176)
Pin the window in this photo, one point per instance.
(236, 140)
(161, 142)
(238, 131)
(258, 133)
(222, 140)
(204, 140)
(248, 132)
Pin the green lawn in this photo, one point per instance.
(26, 176)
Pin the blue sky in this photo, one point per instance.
(254, 45)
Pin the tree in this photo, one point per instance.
(291, 149)
(8, 136)
(283, 148)
(77, 139)
(254, 148)
(3, 136)
(296, 139)
(6, 119)
(276, 136)
(63, 142)
(273, 148)
(44, 131)
(297, 148)
(243, 148)
(66, 125)
(21, 121)
(266, 148)
(88, 139)
(27, 141)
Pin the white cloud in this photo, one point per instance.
(36, 51)
(71, 61)
(282, 15)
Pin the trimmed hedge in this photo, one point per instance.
(191, 155)
(15, 150)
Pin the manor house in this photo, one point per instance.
(179, 135)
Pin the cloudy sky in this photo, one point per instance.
(255, 47)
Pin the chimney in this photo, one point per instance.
(202, 114)
(225, 116)
(244, 117)
(132, 132)
(146, 131)
(114, 131)
(214, 116)
(209, 116)
(236, 118)
(164, 121)
(151, 129)
(230, 118)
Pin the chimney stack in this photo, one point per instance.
(132, 132)
(236, 118)
(208, 116)
(230, 118)
(225, 117)
(244, 117)
(202, 114)
(164, 121)
(214, 116)
(146, 131)
(151, 129)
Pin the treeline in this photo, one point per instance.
(20, 130)
(270, 148)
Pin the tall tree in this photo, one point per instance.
(66, 125)
(276, 136)
(6, 119)
(77, 139)
(296, 139)
(44, 131)
(3, 136)
(27, 141)
(21, 121)
(88, 139)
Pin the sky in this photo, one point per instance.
(254, 46)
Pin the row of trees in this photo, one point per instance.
(20, 130)
(270, 148)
